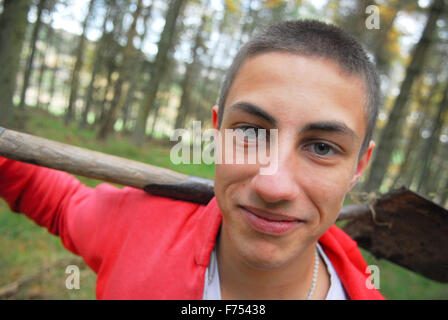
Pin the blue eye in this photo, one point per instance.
(322, 149)
(249, 133)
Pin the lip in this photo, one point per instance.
(270, 223)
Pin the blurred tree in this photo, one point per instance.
(100, 47)
(432, 141)
(391, 133)
(105, 59)
(29, 64)
(443, 190)
(13, 22)
(52, 86)
(405, 172)
(191, 71)
(222, 46)
(49, 37)
(122, 84)
(164, 45)
(79, 61)
(138, 69)
(383, 42)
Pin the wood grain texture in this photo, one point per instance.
(407, 229)
(92, 164)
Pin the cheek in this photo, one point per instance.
(230, 178)
(327, 188)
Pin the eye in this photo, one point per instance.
(322, 149)
(248, 133)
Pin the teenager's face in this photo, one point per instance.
(270, 219)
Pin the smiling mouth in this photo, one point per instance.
(270, 223)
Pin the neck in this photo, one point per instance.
(241, 280)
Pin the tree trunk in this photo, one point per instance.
(43, 66)
(164, 45)
(390, 134)
(136, 74)
(95, 69)
(122, 83)
(187, 84)
(387, 22)
(29, 64)
(13, 22)
(404, 175)
(429, 147)
(101, 113)
(70, 112)
(52, 82)
(444, 192)
(434, 182)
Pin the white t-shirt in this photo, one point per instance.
(212, 289)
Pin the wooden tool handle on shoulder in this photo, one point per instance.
(96, 165)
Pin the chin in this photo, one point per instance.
(263, 264)
(267, 254)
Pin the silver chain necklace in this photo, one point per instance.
(315, 272)
(213, 260)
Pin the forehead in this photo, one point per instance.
(292, 86)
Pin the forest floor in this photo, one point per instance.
(38, 261)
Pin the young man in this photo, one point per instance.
(264, 236)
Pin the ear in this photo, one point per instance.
(215, 117)
(362, 164)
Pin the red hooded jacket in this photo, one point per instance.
(142, 246)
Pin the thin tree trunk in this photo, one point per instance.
(164, 45)
(382, 61)
(122, 83)
(95, 69)
(52, 82)
(436, 178)
(29, 64)
(428, 149)
(187, 84)
(13, 22)
(70, 112)
(391, 133)
(136, 74)
(101, 113)
(444, 192)
(40, 77)
(403, 176)
(43, 65)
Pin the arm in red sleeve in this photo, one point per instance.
(56, 201)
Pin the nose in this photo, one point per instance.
(280, 185)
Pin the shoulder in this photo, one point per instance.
(132, 202)
(339, 243)
(349, 263)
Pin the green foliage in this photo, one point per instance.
(397, 283)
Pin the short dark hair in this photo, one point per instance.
(312, 38)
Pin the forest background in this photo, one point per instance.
(119, 76)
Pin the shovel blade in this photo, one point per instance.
(406, 229)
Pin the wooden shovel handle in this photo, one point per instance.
(92, 164)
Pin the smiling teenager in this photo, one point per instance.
(316, 86)
(264, 236)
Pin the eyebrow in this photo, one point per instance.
(254, 110)
(328, 126)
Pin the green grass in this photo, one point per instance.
(26, 248)
(399, 283)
